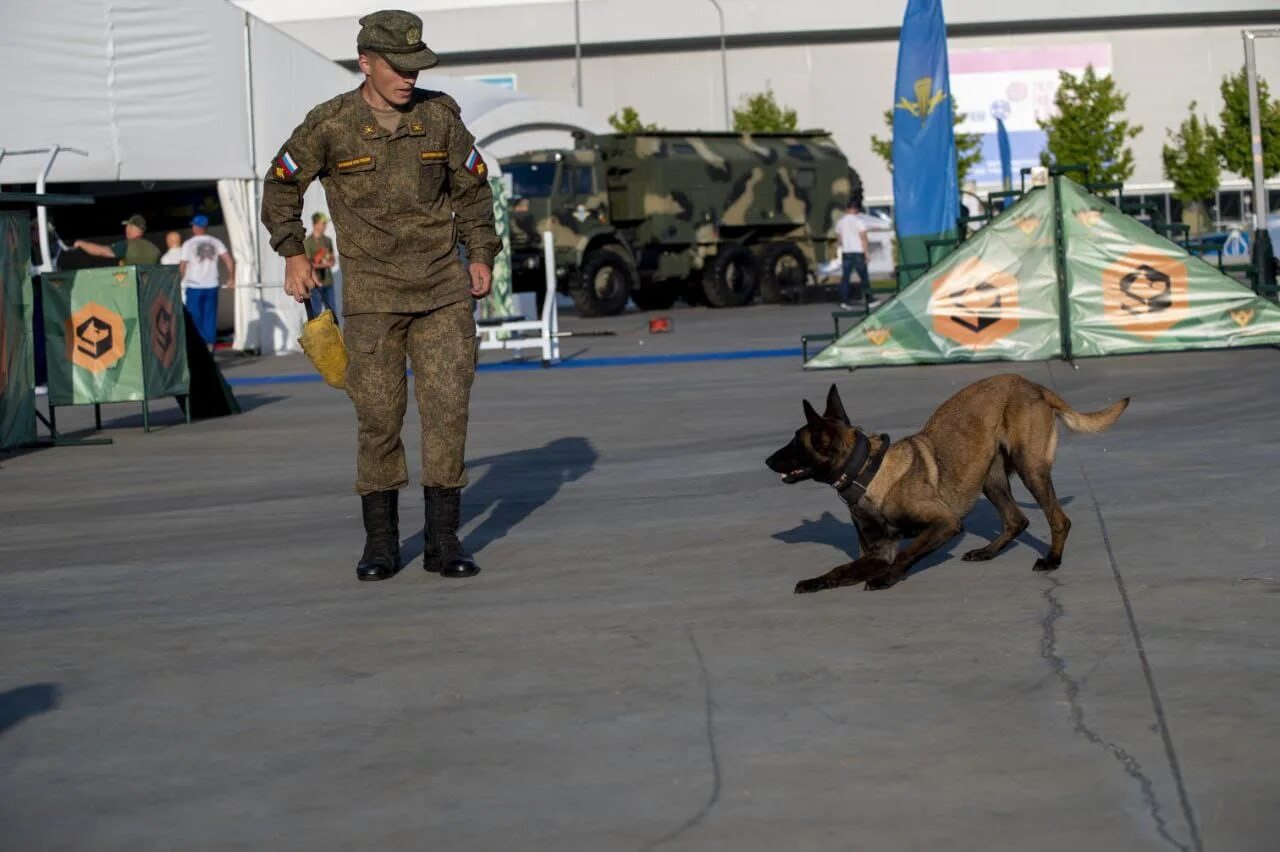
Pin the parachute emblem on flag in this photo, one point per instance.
(926, 101)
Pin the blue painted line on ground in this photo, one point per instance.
(572, 363)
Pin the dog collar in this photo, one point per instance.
(859, 469)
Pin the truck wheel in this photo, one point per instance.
(604, 283)
(732, 277)
(783, 272)
(655, 296)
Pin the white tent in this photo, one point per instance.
(159, 90)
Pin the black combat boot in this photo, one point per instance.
(381, 558)
(443, 553)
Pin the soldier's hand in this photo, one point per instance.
(481, 279)
(299, 278)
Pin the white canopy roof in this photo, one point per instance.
(159, 90)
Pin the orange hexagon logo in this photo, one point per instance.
(95, 338)
(164, 340)
(975, 304)
(1145, 292)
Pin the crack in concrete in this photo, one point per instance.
(1157, 706)
(1058, 664)
(708, 706)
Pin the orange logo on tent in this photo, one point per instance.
(95, 336)
(1089, 218)
(975, 304)
(1027, 224)
(164, 342)
(1145, 292)
(1242, 316)
(878, 336)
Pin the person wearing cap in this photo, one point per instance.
(405, 185)
(134, 249)
(198, 272)
(319, 248)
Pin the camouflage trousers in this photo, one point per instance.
(441, 347)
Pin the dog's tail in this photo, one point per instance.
(1076, 421)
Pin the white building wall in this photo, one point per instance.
(843, 87)
(846, 88)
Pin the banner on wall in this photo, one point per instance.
(1017, 86)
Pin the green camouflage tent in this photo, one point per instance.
(1062, 273)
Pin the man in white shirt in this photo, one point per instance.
(852, 234)
(199, 273)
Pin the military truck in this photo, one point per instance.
(710, 217)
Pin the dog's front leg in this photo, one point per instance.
(858, 571)
(933, 537)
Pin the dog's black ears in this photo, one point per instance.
(835, 408)
(812, 416)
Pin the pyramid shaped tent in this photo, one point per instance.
(1062, 273)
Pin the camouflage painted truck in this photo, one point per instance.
(712, 218)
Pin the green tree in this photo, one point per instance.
(761, 113)
(968, 145)
(627, 120)
(1191, 162)
(1233, 138)
(1087, 128)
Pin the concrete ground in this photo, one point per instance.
(187, 661)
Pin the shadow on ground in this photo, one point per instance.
(511, 488)
(25, 702)
(982, 521)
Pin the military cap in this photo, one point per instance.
(397, 37)
(137, 220)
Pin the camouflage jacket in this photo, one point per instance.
(400, 201)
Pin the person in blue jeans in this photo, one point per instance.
(198, 271)
(852, 234)
(319, 248)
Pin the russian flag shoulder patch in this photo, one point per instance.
(474, 163)
(285, 166)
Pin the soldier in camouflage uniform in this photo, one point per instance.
(404, 184)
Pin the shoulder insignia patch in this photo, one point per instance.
(285, 166)
(474, 163)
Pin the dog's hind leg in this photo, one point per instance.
(996, 489)
(1039, 483)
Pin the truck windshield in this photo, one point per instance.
(531, 180)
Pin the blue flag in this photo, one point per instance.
(926, 198)
(1006, 158)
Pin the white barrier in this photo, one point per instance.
(510, 334)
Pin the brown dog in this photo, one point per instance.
(923, 486)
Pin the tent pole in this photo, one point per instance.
(1060, 261)
(255, 238)
(253, 142)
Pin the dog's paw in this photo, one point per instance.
(982, 554)
(805, 587)
(1043, 564)
(877, 584)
